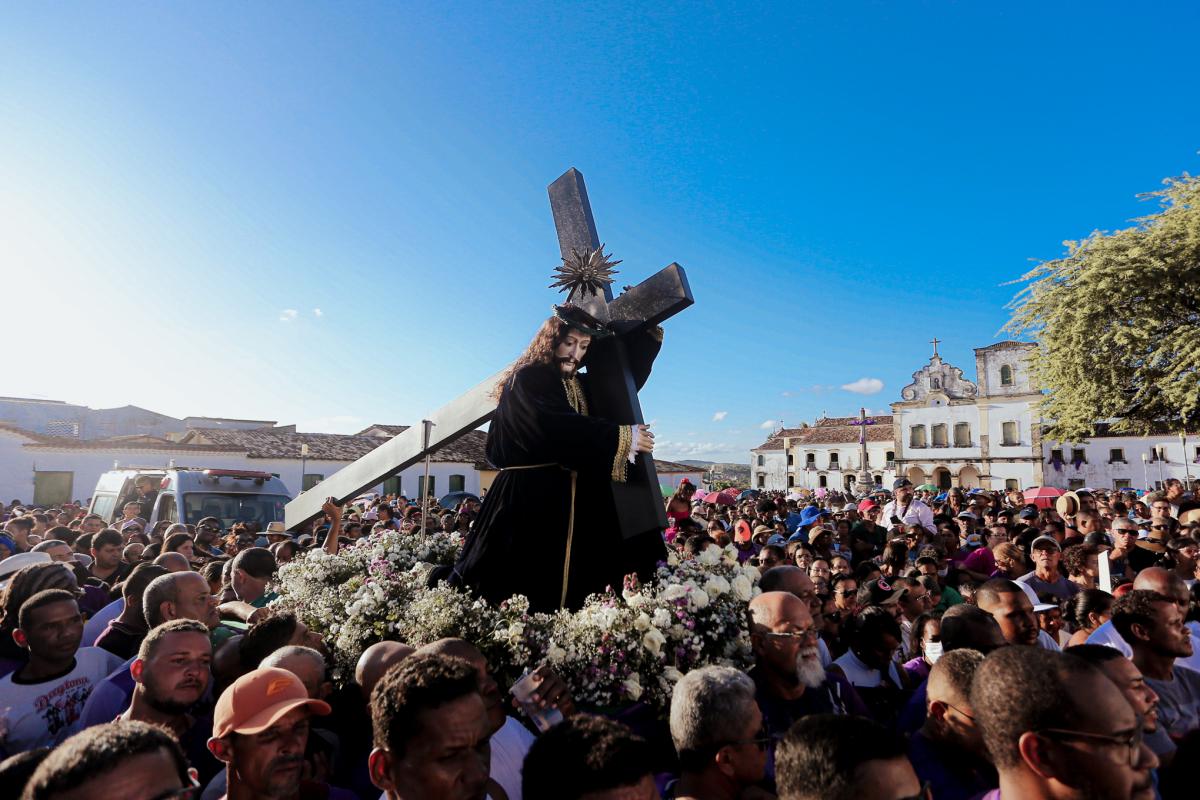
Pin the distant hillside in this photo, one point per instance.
(737, 474)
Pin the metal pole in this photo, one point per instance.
(428, 429)
(1160, 472)
(303, 463)
(1187, 470)
(1145, 473)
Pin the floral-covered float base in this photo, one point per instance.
(617, 649)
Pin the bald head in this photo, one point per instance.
(771, 608)
(305, 663)
(376, 660)
(1157, 579)
(173, 562)
(787, 578)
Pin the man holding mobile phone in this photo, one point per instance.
(906, 509)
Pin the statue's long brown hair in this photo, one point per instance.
(539, 351)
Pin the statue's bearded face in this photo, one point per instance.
(570, 351)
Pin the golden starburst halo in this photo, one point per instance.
(584, 271)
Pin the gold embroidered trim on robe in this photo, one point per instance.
(575, 395)
(621, 461)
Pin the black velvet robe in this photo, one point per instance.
(518, 543)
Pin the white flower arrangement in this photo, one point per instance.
(620, 648)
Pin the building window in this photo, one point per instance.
(791, 481)
(1122, 483)
(1056, 455)
(916, 436)
(1006, 376)
(810, 460)
(791, 460)
(763, 459)
(392, 485)
(962, 434)
(822, 482)
(1074, 483)
(1008, 434)
(458, 483)
(762, 481)
(310, 480)
(935, 383)
(890, 456)
(1078, 456)
(1116, 456)
(833, 460)
(421, 485)
(879, 480)
(1011, 485)
(52, 488)
(939, 435)
(1158, 453)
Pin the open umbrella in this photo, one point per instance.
(794, 496)
(454, 498)
(1043, 496)
(748, 494)
(927, 487)
(725, 497)
(666, 489)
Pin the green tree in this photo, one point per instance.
(1117, 321)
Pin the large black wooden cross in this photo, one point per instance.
(614, 395)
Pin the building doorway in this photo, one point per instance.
(941, 479)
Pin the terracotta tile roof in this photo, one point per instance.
(133, 442)
(391, 430)
(774, 443)
(271, 443)
(838, 430)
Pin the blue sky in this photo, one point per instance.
(183, 186)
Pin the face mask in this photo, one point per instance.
(933, 651)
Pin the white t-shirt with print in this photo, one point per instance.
(43, 714)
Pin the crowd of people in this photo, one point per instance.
(905, 645)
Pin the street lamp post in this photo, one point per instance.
(1145, 473)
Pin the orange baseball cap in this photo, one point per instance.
(256, 701)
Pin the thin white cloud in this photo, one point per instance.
(288, 314)
(786, 394)
(864, 386)
(768, 425)
(720, 416)
(318, 312)
(671, 450)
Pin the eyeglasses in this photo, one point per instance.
(186, 793)
(796, 635)
(760, 741)
(926, 793)
(959, 710)
(1132, 742)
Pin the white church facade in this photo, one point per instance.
(950, 431)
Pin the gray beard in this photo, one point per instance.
(809, 669)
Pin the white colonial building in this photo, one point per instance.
(950, 431)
